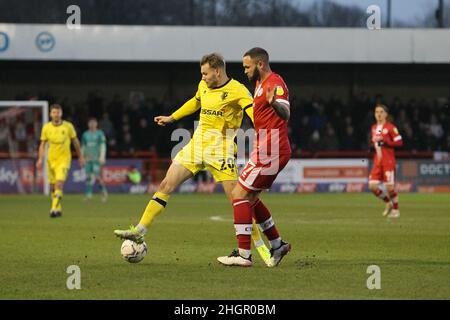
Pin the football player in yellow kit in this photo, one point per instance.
(222, 102)
(59, 134)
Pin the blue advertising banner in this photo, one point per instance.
(20, 176)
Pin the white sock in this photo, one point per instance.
(141, 229)
(245, 253)
(276, 243)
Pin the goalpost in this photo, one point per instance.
(20, 130)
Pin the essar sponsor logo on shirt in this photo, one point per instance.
(210, 112)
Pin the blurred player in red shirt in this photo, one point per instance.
(385, 137)
(270, 155)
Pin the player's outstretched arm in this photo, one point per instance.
(163, 120)
(186, 109)
(76, 144)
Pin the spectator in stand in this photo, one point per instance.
(106, 125)
(348, 142)
(4, 136)
(315, 142)
(318, 120)
(20, 136)
(143, 136)
(436, 128)
(127, 146)
(410, 140)
(329, 140)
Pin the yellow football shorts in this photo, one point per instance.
(196, 157)
(58, 171)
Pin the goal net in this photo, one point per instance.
(20, 128)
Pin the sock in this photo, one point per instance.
(266, 223)
(88, 190)
(381, 194)
(56, 200)
(394, 197)
(155, 206)
(243, 225)
(103, 188)
(245, 253)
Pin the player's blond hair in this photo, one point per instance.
(215, 60)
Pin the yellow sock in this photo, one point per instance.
(56, 200)
(155, 206)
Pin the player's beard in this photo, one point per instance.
(255, 76)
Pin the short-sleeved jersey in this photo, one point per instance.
(222, 108)
(59, 138)
(384, 151)
(92, 143)
(267, 122)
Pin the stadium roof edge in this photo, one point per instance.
(188, 44)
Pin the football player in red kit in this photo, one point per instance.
(270, 155)
(385, 137)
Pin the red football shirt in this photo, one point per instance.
(384, 151)
(271, 131)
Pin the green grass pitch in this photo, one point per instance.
(335, 237)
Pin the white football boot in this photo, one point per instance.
(235, 259)
(395, 213)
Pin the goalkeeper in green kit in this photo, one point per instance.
(93, 147)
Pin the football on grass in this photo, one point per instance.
(133, 252)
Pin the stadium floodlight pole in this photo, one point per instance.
(45, 117)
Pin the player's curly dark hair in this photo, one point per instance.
(258, 54)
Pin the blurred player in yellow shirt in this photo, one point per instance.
(59, 134)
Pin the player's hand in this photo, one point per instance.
(270, 94)
(81, 161)
(163, 120)
(102, 161)
(39, 164)
(377, 138)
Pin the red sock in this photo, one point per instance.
(380, 194)
(264, 219)
(394, 197)
(243, 222)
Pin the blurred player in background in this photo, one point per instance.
(93, 147)
(385, 137)
(270, 155)
(222, 101)
(59, 134)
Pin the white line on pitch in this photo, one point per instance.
(218, 218)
